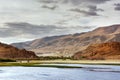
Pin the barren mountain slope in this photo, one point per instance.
(109, 50)
(66, 45)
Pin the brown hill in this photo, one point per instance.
(8, 51)
(110, 50)
(66, 45)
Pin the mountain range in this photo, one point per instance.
(68, 45)
(102, 51)
(10, 52)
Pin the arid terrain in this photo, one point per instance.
(10, 52)
(68, 45)
(103, 51)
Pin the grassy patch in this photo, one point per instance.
(15, 64)
(35, 65)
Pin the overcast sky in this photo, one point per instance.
(22, 20)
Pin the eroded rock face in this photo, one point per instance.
(109, 50)
(8, 51)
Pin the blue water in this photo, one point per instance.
(89, 72)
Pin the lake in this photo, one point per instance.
(89, 72)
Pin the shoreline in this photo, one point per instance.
(38, 63)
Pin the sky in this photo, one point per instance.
(24, 20)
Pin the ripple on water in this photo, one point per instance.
(39, 73)
(1, 71)
(104, 70)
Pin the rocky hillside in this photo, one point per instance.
(110, 50)
(66, 45)
(8, 51)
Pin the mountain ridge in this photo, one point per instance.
(67, 45)
(10, 52)
(102, 51)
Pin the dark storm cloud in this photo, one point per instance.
(117, 6)
(18, 29)
(49, 7)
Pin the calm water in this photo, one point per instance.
(89, 72)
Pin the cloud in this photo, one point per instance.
(91, 10)
(84, 12)
(117, 6)
(49, 7)
(94, 8)
(28, 30)
(74, 2)
(98, 1)
(48, 1)
(38, 11)
(18, 29)
(77, 2)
